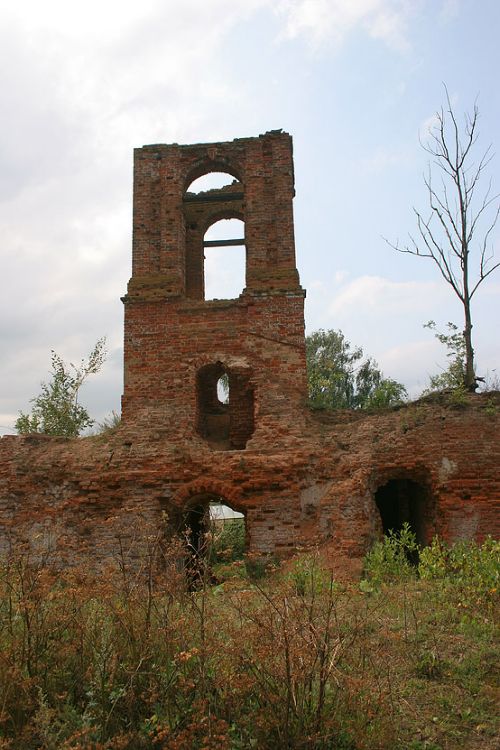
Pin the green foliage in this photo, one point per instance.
(387, 393)
(390, 559)
(491, 408)
(227, 540)
(472, 570)
(454, 375)
(428, 664)
(307, 576)
(56, 410)
(259, 567)
(338, 378)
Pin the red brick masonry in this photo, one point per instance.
(301, 478)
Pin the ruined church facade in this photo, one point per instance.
(301, 478)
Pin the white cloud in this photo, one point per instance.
(386, 157)
(412, 363)
(380, 296)
(449, 10)
(341, 275)
(321, 21)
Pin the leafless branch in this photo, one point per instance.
(450, 240)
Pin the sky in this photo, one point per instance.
(355, 82)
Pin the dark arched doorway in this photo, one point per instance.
(404, 500)
(214, 533)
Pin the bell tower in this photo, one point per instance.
(221, 372)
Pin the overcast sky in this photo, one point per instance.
(353, 81)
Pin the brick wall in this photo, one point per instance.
(301, 478)
(89, 496)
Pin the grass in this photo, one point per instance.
(404, 659)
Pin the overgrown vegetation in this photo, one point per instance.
(227, 541)
(109, 424)
(135, 660)
(453, 376)
(56, 410)
(339, 378)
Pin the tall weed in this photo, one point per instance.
(471, 570)
(391, 559)
(152, 658)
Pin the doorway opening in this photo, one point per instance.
(404, 500)
(215, 535)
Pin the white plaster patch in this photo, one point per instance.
(447, 469)
(311, 497)
(465, 526)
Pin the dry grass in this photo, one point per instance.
(135, 661)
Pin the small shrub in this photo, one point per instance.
(433, 560)
(307, 576)
(428, 664)
(227, 541)
(491, 408)
(259, 567)
(109, 424)
(472, 570)
(390, 559)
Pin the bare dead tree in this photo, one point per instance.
(458, 230)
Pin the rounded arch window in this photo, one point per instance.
(215, 235)
(225, 407)
(212, 181)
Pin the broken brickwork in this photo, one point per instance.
(175, 341)
(301, 478)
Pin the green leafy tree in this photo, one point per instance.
(454, 375)
(56, 410)
(339, 378)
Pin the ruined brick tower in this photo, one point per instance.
(177, 344)
(300, 477)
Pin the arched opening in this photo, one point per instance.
(214, 533)
(225, 259)
(213, 416)
(211, 174)
(212, 181)
(225, 407)
(223, 389)
(215, 236)
(404, 500)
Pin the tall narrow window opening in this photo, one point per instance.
(225, 407)
(225, 259)
(215, 237)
